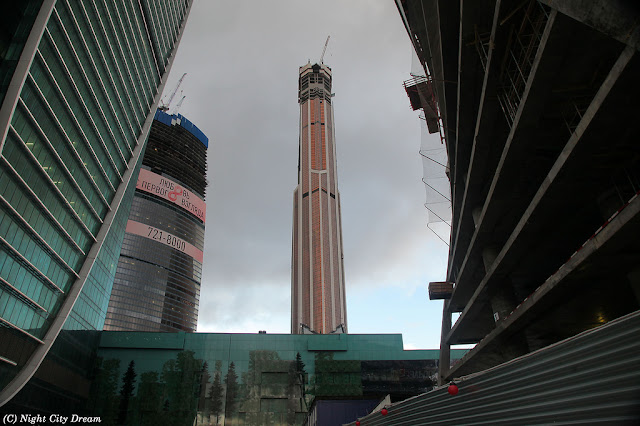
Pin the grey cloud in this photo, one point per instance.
(242, 59)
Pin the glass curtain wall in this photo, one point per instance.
(69, 149)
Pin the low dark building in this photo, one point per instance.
(253, 379)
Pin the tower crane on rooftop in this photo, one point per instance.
(164, 106)
(175, 112)
(325, 49)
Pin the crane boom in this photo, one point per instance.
(165, 106)
(175, 112)
(325, 49)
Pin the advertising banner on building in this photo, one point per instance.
(165, 238)
(169, 190)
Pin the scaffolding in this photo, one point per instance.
(440, 290)
(523, 41)
(421, 95)
(435, 162)
(482, 43)
(574, 110)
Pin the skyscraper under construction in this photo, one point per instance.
(318, 302)
(161, 254)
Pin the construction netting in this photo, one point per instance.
(436, 182)
(435, 168)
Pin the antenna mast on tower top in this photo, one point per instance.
(325, 49)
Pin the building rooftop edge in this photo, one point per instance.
(184, 122)
(122, 339)
(309, 65)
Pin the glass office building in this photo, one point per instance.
(163, 246)
(80, 84)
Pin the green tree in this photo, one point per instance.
(182, 380)
(150, 399)
(216, 392)
(299, 363)
(231, 381)
(128, 384)
(103, 395)
(203, 405)
(259, 360)
(301, 376)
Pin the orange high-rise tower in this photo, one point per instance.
(318, 302)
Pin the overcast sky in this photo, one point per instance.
(242, 60)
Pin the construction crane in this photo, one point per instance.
(165, 106)
(325, 49)
(175, 112)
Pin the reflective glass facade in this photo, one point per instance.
(318, 301)
(16, 20)
(74, 119)
(157, 283)
(249, 379)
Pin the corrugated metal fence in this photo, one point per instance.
(593, 377)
